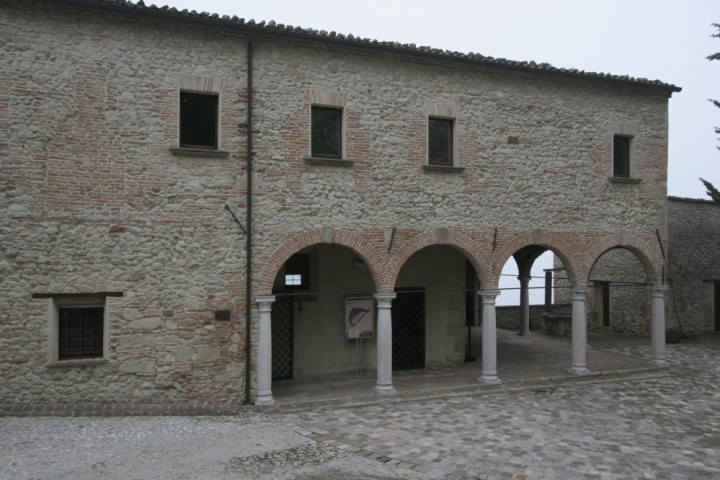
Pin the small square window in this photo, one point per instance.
(326, 132)
(621, 156)
(440, 141)
(297, 272)
(198, 120)
(80, 332)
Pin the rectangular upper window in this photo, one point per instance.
(326, 132)
(198, 120)
(440, 141)
(622, 156)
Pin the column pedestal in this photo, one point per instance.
(579, 332)
(658, 326)
(384, 384)
(524, 306)
(264, 354)
(489, 338)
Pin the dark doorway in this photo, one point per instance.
(717, 305)
(282, 337)
(408, 329)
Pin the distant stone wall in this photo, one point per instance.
(693, 264)
(508, 317)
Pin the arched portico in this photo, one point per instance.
(525, 249)
(339, 264)
(651, 258)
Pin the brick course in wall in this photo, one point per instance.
(98, 198)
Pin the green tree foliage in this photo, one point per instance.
(713, 192)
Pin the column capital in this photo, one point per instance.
(264, 302)
(578, 291)
(489, 293)
(385, 299)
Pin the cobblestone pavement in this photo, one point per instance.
(656, 426)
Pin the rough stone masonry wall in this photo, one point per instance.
(693, 263)
(554, 179)
(93, 201)
(96, 201)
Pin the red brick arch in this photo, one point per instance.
(549, 240)
(346, 238)
(645, 249)
(469, 247)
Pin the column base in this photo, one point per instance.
(265, 399)
(524, 333)
(579, 371)
(659, 362)
(490, 379)
(384, 389)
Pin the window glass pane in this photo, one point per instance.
(296, 271)
(326, 132)
(198, 120)
(621, 156)
(440, 145)
(80, 332)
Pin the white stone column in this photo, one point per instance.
(658, 326)
(264, 353)
(384, 384)
(579, 331)
(489, 338)
(524, 305)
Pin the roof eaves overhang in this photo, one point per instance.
(350, 41)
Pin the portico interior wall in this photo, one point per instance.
(319, 340)
(440, 270)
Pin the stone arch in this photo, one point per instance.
(644, 250)
(549, 240)
(469, 247)
(346, 238)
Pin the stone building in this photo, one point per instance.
(194, 205)
(693, 267)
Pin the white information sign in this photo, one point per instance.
(359, 317)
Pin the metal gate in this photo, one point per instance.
(282, 337)
(408, 329)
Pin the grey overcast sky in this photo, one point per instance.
(656, 39)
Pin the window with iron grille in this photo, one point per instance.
(326, 132)
(621, 156)
(440, 141)
(198, 120)
(80, 332)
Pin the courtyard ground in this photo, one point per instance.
(627, 421)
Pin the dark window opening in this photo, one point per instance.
(297, 272)
(198, 120)
(621, 156)
(440, 141)
(326, 132)
(80, 332)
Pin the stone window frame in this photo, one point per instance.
(331, 100)
(443, 111)
(629, 132)
(200, 84)
(56, 301)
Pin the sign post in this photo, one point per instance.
(359, 324)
